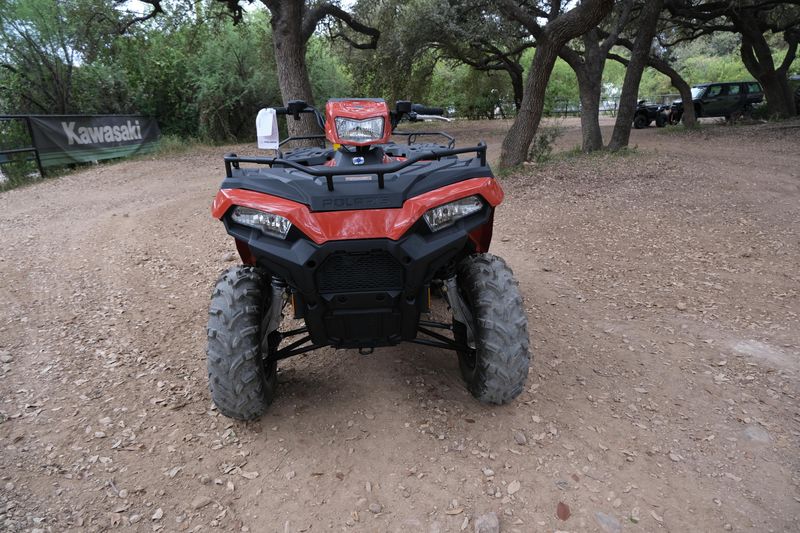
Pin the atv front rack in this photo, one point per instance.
(232, 161)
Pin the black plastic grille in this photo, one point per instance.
(360, 272)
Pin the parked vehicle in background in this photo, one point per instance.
(731, 100)
(646, 114)
(794, 83)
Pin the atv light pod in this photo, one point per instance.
(447, 214)
(359, 131)
(268, 223)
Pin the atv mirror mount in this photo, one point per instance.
(295, 107)
(402, 107)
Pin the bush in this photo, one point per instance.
(541, 149)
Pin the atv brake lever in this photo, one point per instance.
(433, 117)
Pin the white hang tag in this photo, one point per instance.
(267, 129)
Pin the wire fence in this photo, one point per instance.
(608, 106)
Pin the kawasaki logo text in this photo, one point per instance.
(102, 134)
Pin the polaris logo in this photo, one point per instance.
(367, 202)
(102, 134)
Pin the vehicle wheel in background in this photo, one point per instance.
(641, 121)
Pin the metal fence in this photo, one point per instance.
(608, 106)
(6, 124)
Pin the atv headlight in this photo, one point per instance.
(447, 214)
(268, 223)
(359, 131)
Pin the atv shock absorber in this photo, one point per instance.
(278, 289)
(461, 312)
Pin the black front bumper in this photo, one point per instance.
(361, 293)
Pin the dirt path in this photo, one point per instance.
(662, 290)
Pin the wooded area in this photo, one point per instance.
(203, 68)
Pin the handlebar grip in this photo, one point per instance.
(423, 110)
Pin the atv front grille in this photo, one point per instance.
(360, 272)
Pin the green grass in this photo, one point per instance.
(175, 144)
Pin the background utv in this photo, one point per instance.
(729, 99)
(353, 240)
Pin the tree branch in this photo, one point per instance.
(155, 11)
(326, 9)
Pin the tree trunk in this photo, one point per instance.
(550, 40)
(290, 60)
(589, 73)
(589, 87)
(757, 58)
(517, 85)
(588, 70)
(778, 93)
(648, 19)
(518, 139)
(688, 117)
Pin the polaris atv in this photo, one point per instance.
(353, 239)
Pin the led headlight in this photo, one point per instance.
(447, 214)
(268, 223)
(359, 131)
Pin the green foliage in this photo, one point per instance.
(327, 71)
(401, 66)
(473, 94)
(196, 72)
(15, 169)
(562, 87)
(541, 149)
(233, 77)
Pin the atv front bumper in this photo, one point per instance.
(362, 293)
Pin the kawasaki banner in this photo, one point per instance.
(65, 139)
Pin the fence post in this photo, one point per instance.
(33, 144)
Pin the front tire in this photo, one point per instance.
(496, 366)
(242, 384)
(641, 121)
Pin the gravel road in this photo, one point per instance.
(662, 291)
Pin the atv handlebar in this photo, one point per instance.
(420, 109)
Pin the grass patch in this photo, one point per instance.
(175, 144)
(576, 154)
(680, 129)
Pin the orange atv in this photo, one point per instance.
(351, 238)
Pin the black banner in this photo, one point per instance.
(65, 139)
